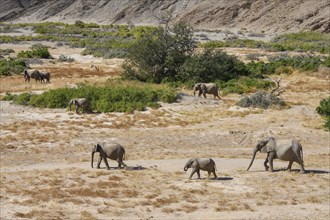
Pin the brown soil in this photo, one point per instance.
(45, 155)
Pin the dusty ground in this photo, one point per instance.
(45, 155)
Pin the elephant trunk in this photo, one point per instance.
(92, 158)
(253, 156)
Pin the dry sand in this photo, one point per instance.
(45, 155)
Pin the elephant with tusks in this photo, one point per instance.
(197, 164)
(80, 102)
(288, 151)
(206, 88)
(112, 151)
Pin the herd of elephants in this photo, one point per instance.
(290, 151)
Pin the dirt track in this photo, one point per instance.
(45, 156)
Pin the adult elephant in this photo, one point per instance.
(45, 77)
(206, 88)
(112, 151)
(80, 102)
(34, 74)
(288, 151)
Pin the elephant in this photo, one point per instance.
(45, 76)
(206, 88)
(112, 151)
(198, 164)
(34, 74)
(287, 151)
(80, 102)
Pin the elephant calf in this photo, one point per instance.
(112, 151)
(206, 164)
(80, 102)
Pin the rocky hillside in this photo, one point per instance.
(270, 16)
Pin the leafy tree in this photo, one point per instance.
(324, 110)
(211, 65)
(159, 54)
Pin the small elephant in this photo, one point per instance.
(291, 152)
(34, 74)
(109, 150)
(206, 88)
(198, 164)
(80, 102)
(45, 76)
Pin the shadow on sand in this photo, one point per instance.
(215, 179)
(295, 171)
(125, 168)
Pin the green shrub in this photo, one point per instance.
(109, 98)
(211, 65)
(63, 58)
(4, 52)
(324, 110)
(326, 62)
(261, 99)
(244, 85)
(35, 53)
(11, 66)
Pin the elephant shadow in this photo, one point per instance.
(316, 171)
(298, 170)
(137, 167)
(217, 179)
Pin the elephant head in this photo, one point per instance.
(96, 148)
(264, 146)
(72, 102)
(189, 164)
(199, 87)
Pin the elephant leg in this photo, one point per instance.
(297, 149)
(265, 163)
(198, 173)
(215, 175)
(204, 94)
(289, 166)
(271, 156)
(208, 174)
(106, 163)
(77, 109)
(200, 93)
(192, 173)
(99, 162)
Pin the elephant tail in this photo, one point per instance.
(301, 154)
(124, 155)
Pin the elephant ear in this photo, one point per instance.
(271, 145)
(195, 163)
(203, 86)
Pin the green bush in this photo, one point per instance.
(261, 99)
(244, 85)
(63, 58)
(4, 52)
(35, 53)
(11, 66)
(324, 110)
(211, 65)
(102, 99)
(301, 62)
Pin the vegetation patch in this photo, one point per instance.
(302, 42)
(109, 98)
(324, 110)
(11, 66)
